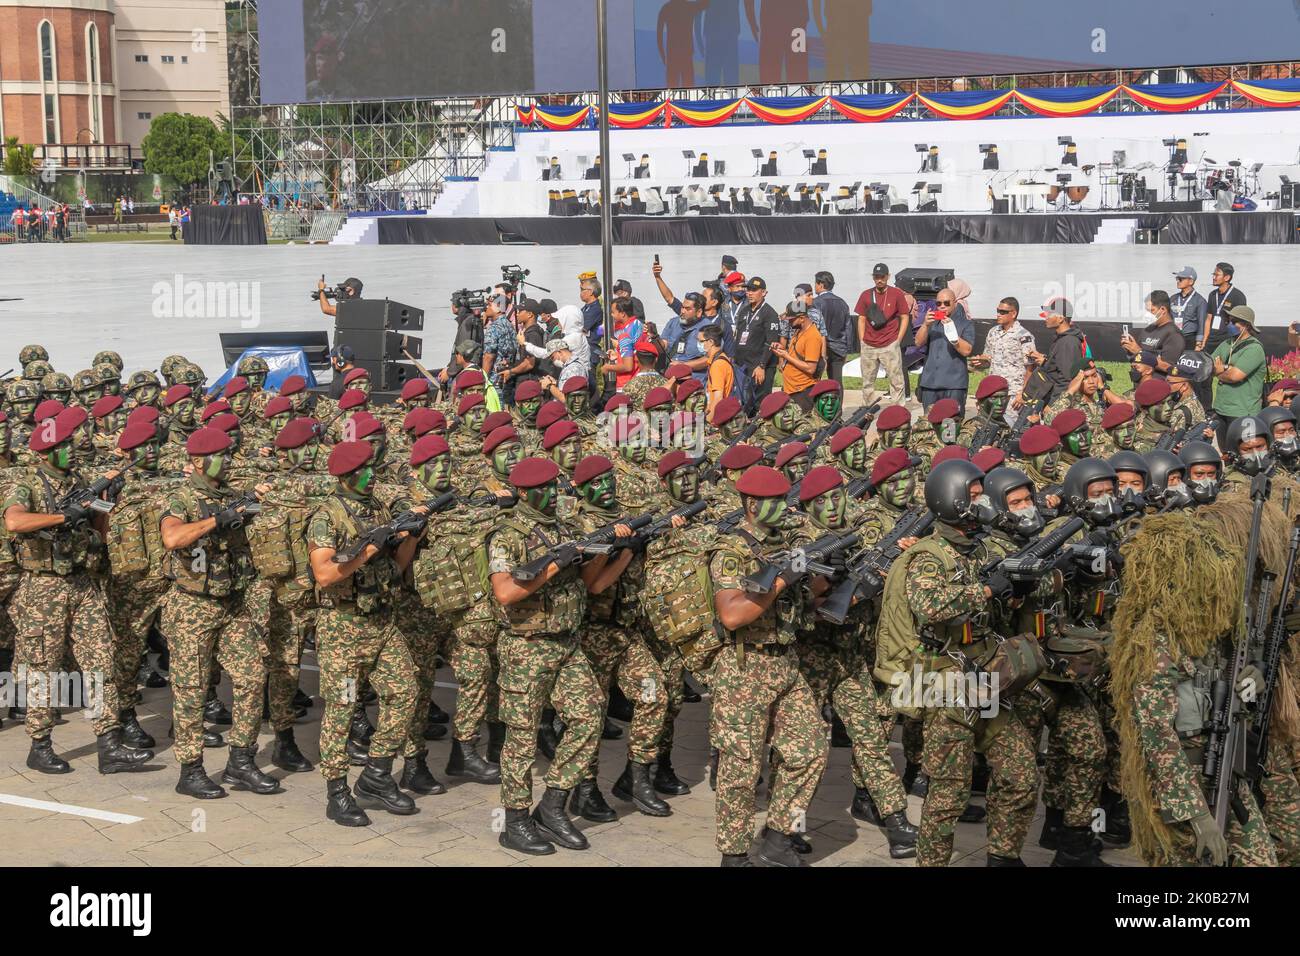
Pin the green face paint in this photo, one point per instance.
(184, 410)
(729, 430)
(279, 421)
(305, 457)
(896, 437)
(380, 445)
(435, 474)
(298, 401)
(785, 419)
(829, 509)
(899, 490)
(256, 381)
(60, 457)
(634, 451)
(995, 405)
(794, 468)
(362, 385)
(24, 410)
(684, 485)
(530, 408)
(855, 455)
(147, 395)
(828, 406)
(146, 456)
(506, 456)
(360, 480)
(1124, 435)
(1161, 411)
(696, 404)
(770, 511)
(1049, 464)
(216, 466)
(542, 499)
(567, 454)
(1080, 442)
(474, 418)
(83, 439)
(601, 491)
(87, 397)
(576, 402)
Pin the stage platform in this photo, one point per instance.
(1190, 228)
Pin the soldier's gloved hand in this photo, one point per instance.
(1250, 683)
(1000, 584)
(230, 518)
(566, 554)
(1209, 839)
(75, 514)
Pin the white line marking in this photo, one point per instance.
(91, 812)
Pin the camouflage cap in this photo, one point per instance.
(36, 370)
(142, 378)
(84, 380)
(56, 382)
(106, 373)
(254, 365)
(108, 358)
(32, 353)
(23, 390)
(191, 375)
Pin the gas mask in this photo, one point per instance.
(684, 485)
(1023, 522)
(360, 481)
(1175, 496)
(601, 491)
(829, 509)
(542, 499)
(1132, 502)
(769, 512)
(1286, 448)
(855, 455)
(981, 511)
(897, 491)
(896, 437)
(1254, 462)
(509, 454)
(1102, 510)
(1203, 491)
(828, 406)
(435, 474)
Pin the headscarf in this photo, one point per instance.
(960, 290)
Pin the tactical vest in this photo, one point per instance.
(619, 605)
(218, 564)
(60, 550)
(369, 586)
(677, 597)
(781, 622)
(134, 528)
(451, 568)
(559, 605)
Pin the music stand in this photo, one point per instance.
(758, 158)
(689, 156)
(630, 159)
(811, 156)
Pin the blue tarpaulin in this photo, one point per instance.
(283, 362)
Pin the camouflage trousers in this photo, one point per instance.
(913, 739)
(752, 691)
(534, 670)
(424, 637)
(1248, 845)
(200, 628)
(134, 602)
(1076, 755)
(612, 650)
(867, 718)
(950, 745)
(10, 575)
(1281, 790)
(673, 666)
(472, 653)
(353, 649)
(53, 616)
(293, 615)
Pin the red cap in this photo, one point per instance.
(467, 402)
(207, 441)
(43, 439)
(550, 413)
(73, 417)
(824, 386)
(469, 379)
(235, 386)
(575, 384)
(143, 413)
(593, 466)
(348, 456)
(845, 437)
(789, 451)
(894, 416)
(226, 422)
(50, 408)
(889, 463)
(277, 406)
(990, 385)
(364, 425)
(560, 431)
(763, 482)
(528, 389)
(726, 409)
(741, 456)
(355, 374)
(818, 481)
(494, 421)
(1117, 415)
(430, 446)
(1152, 392)
(499, 437)
(1069, 421)
(942, 409)
(657, 398)
(678, 371)
(733, 277)
(950, 453)
(415, 388)
(292, 385)
(219, 407)
(297, 433)
(1039, 440)
(688, 388)
(136, 435)
(534, 472)
(421, 421)
(177, 393)
(986, 459)
(645, 346)
(106, 406)
(672, 461)
(1287, 385)
(617, 401)
(773, 404)
(353, 398)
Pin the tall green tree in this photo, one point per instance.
(178, 147)
(20, 160)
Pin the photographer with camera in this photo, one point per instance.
(342, 361)
(346, 290)
(467, 306)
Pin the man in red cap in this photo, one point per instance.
(1040, 449)
(782, 420)
(57, 610)
(206, 613)
(647, 378)
(356, 633)
(1119, 425)
(541, 658)
(181, 413)
(756, 682)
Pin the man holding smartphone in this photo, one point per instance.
(948, 337)
(1161, 337)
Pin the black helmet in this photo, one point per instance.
(1248, 428)
(1295, 407)
(1204, 490)
(1274, 415)
(947, 492)
(1074, 491)
(999, 483)
(1160, 465)
(1131, 461)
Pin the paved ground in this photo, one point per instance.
(453, 829)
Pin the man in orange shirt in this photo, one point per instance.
(722, 375)
(801, 360)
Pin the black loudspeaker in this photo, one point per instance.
(923, 282)
(1001, 206)
(931, 206)
(373, 346)
(388, 376)
(378, 315)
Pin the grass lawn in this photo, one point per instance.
(1118, 371)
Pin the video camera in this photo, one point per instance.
(473, 300)
(514, 275)
(340, 291)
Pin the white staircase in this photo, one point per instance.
(456, 199)
(358, 231)
(1115, 232)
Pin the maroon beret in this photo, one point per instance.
(773, 404)
(219, 407)
(739, 457)
(560, 431)
(889, 463)
(177, 393)
(688, 388)
(678, 371)
(1152, 392)
(469, 379)
(726, 409)
(353, 398)
(593, 466)
(942, 409)
(235, 386)
(494, 421)
(226, 422)
(534, 472)
(50, 408)
(789, 451)
(1117, 415)
(297, 433)
(986, 459)
(617, 401)
(990, 385)
(4, 417)
(845, 437)
(823, 387)
(1039, 440)
(1069, 421)
(679, 420)
(430, 446)
(142, 413)
(277, 406)
(575, 384)
(348, 456)
(894, 416)
(106, 406)
(415, 388)
(136, 435)
(818, 481)
(763, 482)
(672, 461)
(550, 413)
(355, 374)
(421, 421)
(499, 437)
(72, 418)
(364, 425)
(472, 400)
(292, 385)
(43, 439)
(657, 398)
(1287, 385)
(528, 389)
(207, 441)
(950, 453)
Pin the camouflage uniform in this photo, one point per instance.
(1094, 409)
(641, 385)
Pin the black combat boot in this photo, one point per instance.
(376, 787)
(358, 753)
(214, 711)
(302, 700)
(980, 775)
(778, 850)
(417, 778)
(435, 731)
(914, 781)
(43, 758)
(154, 680)
(666, 781)
(117, 757)
(547, 738)
(689, 696)
(361, 727)
(589, 803)
(496, 738)
(995, 860)
(713, 768)
(1075, 848)
(286, 755)
(133, 735)
(635, 786)
(212, 739)
(554, 824)
(839, 733)
(620, 708)
(341, 807)
(194, 782)
(436, 714)
(736, 859)
(902, 834)
(521, 835)
(1053, 823)
(798, 842)
(973, 813)
(1119, 830)
(864, 808)
(466, 762)
(242, 773)
(611, 731)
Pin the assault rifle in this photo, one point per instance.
(794, 564)
(99, 496)
(661, 526)
(864, 575)
(714, 473)
(1035, 560)
(384, 536)
(567, 553)
(990, 435)
(771, 451)
(1272, 655)
(1225, 752)
(1175, 438)
(730, 522)
(859, 419)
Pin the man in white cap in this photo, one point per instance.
(1188, 308)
